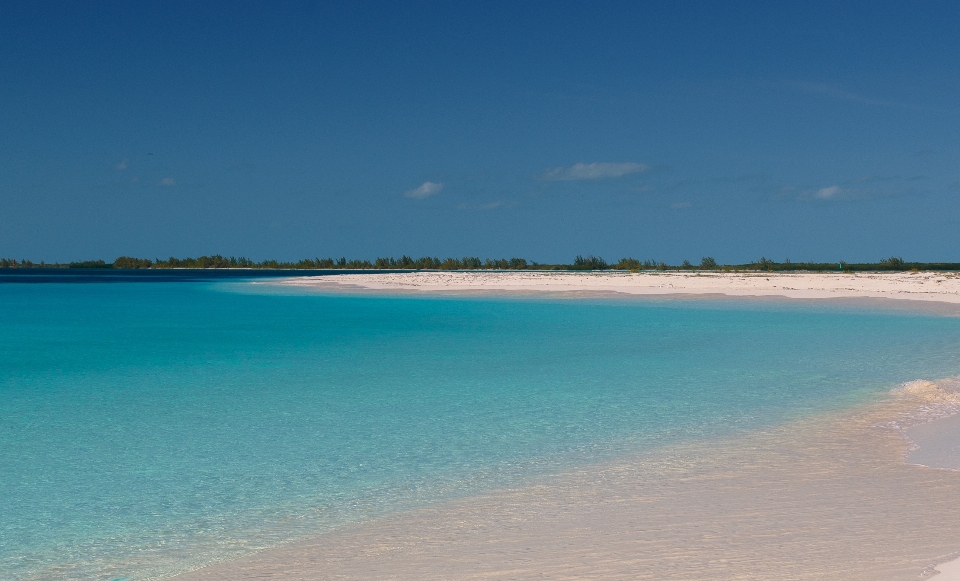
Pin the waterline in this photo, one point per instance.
(824, 497)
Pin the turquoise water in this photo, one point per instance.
(151, 427)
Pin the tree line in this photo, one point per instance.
(588, 263)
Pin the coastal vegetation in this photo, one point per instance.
(581, 263)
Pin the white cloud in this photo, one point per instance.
(592, 171)
(865, 188)
(168, 182)
(845, 193)
(827, 193)
(425, 191)
(122, 165)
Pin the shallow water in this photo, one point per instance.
(824, 497)
(152, 428)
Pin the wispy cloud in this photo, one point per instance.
(169, 182)
(853, 190)
(830, 90)
(592, 171)
(828, 193)
(122, 165)
(836, 92)
(424, 191)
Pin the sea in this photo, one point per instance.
(154, 426)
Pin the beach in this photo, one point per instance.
(848, 495)
(483, 425)
(486, 291)
(827, 498)
(929, 287)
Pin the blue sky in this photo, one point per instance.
(809, 131)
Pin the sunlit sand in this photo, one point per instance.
(921, 286)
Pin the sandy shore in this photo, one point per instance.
(821, 498)
(925, 286)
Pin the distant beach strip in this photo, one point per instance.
(934, 287)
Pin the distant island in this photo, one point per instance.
(580, 263)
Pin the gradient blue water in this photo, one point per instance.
(150, 427)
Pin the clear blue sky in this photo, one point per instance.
(801, 130)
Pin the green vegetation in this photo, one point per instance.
(589, 263)
(127, 262)
(707, 263)
(894, 263)
(90, 264)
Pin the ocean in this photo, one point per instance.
(150, 428)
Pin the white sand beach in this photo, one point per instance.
(920, 286)
(832, 497)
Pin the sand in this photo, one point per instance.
(949, 571)
(937, 443)
(923, 286)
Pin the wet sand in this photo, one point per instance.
(828, 497)
(937, 443)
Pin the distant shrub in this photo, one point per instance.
(628, 264)
(590, 263)
(765, 264)
(90, 264)
(708, 262)
(128, 262)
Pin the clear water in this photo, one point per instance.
(146, 428)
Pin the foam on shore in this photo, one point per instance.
(826, 497)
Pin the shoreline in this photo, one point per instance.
(830, 496)
(922, 286)
(551, 528)
(939, 289)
